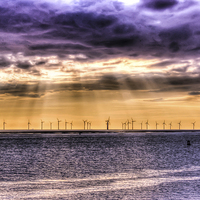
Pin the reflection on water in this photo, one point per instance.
(128, 166)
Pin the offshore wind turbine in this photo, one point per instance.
(4, 125)
(66, 124)
(125, 125)
(51, 125)
(90, 124)
(132, 121)
(157, 125)
(58, 123)
(108, 123)
(128, 124)
(29, 124)
(42, 122)
(193, 124)
(84, 122)
(141, 125)
(179, 125)
(170, 125)
(147, 124)
(164, 125)
(122, 125)
(71, 124)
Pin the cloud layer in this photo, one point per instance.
(100, 30)
(37, 36)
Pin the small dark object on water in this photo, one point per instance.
(188, 143)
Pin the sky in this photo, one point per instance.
(78, 60)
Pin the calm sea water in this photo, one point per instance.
(100, 166)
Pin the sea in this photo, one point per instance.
(93, 166)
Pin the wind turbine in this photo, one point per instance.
(84, 121)
(58, 123)
(170, 125)
(147, 124)
(193, 124)
(42, 122)
(157, 125)
(51, 125)
(4, 125)
(89, 125)
(179, 125)
(141, 125)
(29, 124)
(132, 121)
(164, 125)
(108, 123)
(125, 125)
(66, 124)
(122, 125)
(128, 123)
(71, 124)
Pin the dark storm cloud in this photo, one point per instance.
(58, 46)
(180, 69)
(100, 30)
(4, 62)
(21, 90)
(180, 33)
(160, 4)
(108, 82)
(184, 80)
(40, 63)
(194, 93)
(23, 65)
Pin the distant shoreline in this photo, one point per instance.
(80, 131)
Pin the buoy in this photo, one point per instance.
(188, 142)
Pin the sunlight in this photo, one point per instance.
(129, 2)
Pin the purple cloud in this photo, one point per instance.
(100, 30)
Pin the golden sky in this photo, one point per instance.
(121, 88)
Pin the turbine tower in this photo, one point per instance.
(125, 125)
(128, 124)
(29, 124)
(84, 122)
(51, 125)
(157, 125)
(179, 125)
(164, 125)
(66, 125)
(122, 125)
(58, 123)
(4, 125)
(141, 125)
(89, 125)
(147, 124)
(108, 123)
(193, 125)
(132, 121)
(42, 122)
(71, 124)
(170, 125)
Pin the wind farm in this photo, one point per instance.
(125, 127)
